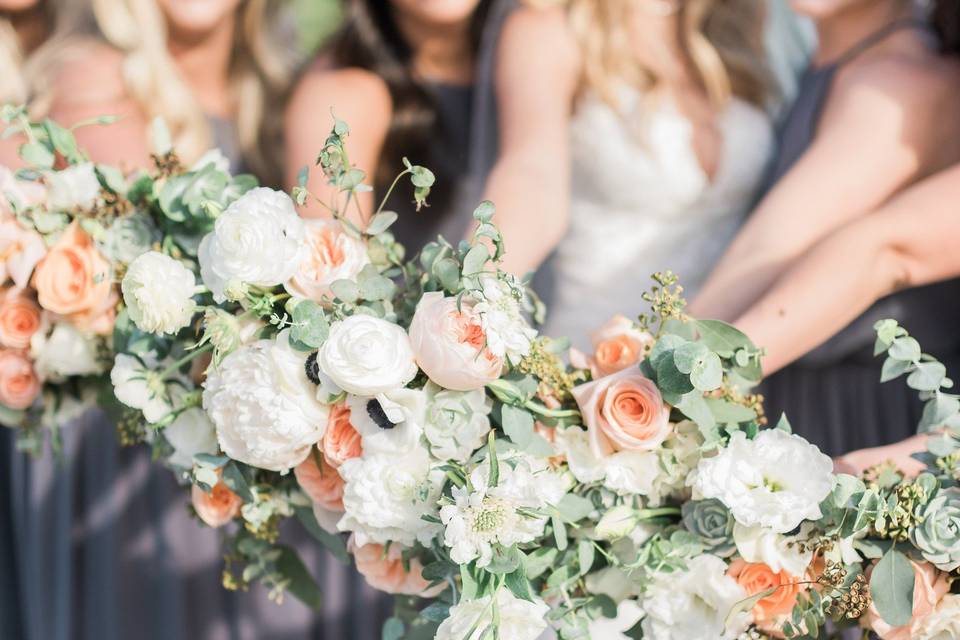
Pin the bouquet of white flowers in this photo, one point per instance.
(441, 444)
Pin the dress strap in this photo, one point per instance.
(879, 36)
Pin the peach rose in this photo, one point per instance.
(768, 612)
(929, 586)
(19, 384)
(322, 483)
(19, 319)
(450, 344)
(340, 440)
(73, 280)
(623, 412)
(331, 255)
(619, 344)
(218, 507)
(383, 570)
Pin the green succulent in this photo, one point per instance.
(712, 522)
(937, 535)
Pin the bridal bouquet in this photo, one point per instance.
(69, 229)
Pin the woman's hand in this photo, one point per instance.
(856, 462)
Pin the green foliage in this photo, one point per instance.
(891, 585)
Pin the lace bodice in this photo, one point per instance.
(640, 203)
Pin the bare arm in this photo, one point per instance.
(856, 462)
(530, 184)
(911, 241)
(356, 96)
(866, 149)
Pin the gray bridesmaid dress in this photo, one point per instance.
(833, 396)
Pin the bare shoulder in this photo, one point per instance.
(542, 31)
(351, 93)
(92, 76)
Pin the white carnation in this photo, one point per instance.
(405, 409)
(385, 497)
(482, 516)
(191, 433)
(693, 604)
(516, 619)
(777, 480)
(624, 472)
(74, 187)
(943, 623)
(264, 407)
(457, 423)
(508, 334)
(140, 386)
(777, 551)
(65, 352)
(158, 292)
(258, 240)
(367, 356)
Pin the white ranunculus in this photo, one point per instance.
(507, 331)
(367, 356)
(75, 186)
(140, 387)
(191, 433)
(517, 619)
(158, 292)
(258, 240)
(385, 497)
(777, 551)
(330, 255)
(482, 516)
(264, 406)
(457, 423)
(404, 409)
(694, 604)
(943, 623)
(625, 472)
(777, 480)
(65, 352)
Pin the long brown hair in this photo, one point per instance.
(371, 40)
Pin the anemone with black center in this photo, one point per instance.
(378, 415)
(312, 368)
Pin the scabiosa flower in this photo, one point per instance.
(508, 334)
(516, 619)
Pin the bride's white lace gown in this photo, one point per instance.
(640, 203)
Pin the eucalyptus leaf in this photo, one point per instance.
(236, 482)
(448, 272)
(392, 629)
(381, 222)
(518, 425)
(475, 260)
(301, 583)
(891, 586)
(334, 543)
(893, 369)
(310, 325)
(905, 348)
(722, 338)
(518, 585)
(345, 290)
(504, 560)
(37, 154)
(484, 212)
(928, 376)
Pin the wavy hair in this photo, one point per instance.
(260, 74)
(722, 40)
(371, 40)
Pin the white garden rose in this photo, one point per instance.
(943, 623)
(516, 619)
(65, 352)
(694, 604)
(367, 356)
(191, 433)
(457, 423)
(74, 187)
(391, 423)
(385, 497)
(450, 344)
(624, 472)
(140, 386)
(258, 240)
(777, 551)
(508, 334)
(264, 407)
(330, 255)
(158, 292)
(482, 516)
(777, 480)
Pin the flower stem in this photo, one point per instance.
(193, 355)
(538, 408)
(386, 196)
(649, 514)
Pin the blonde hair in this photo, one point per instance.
(259, 76)
(722, 40)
